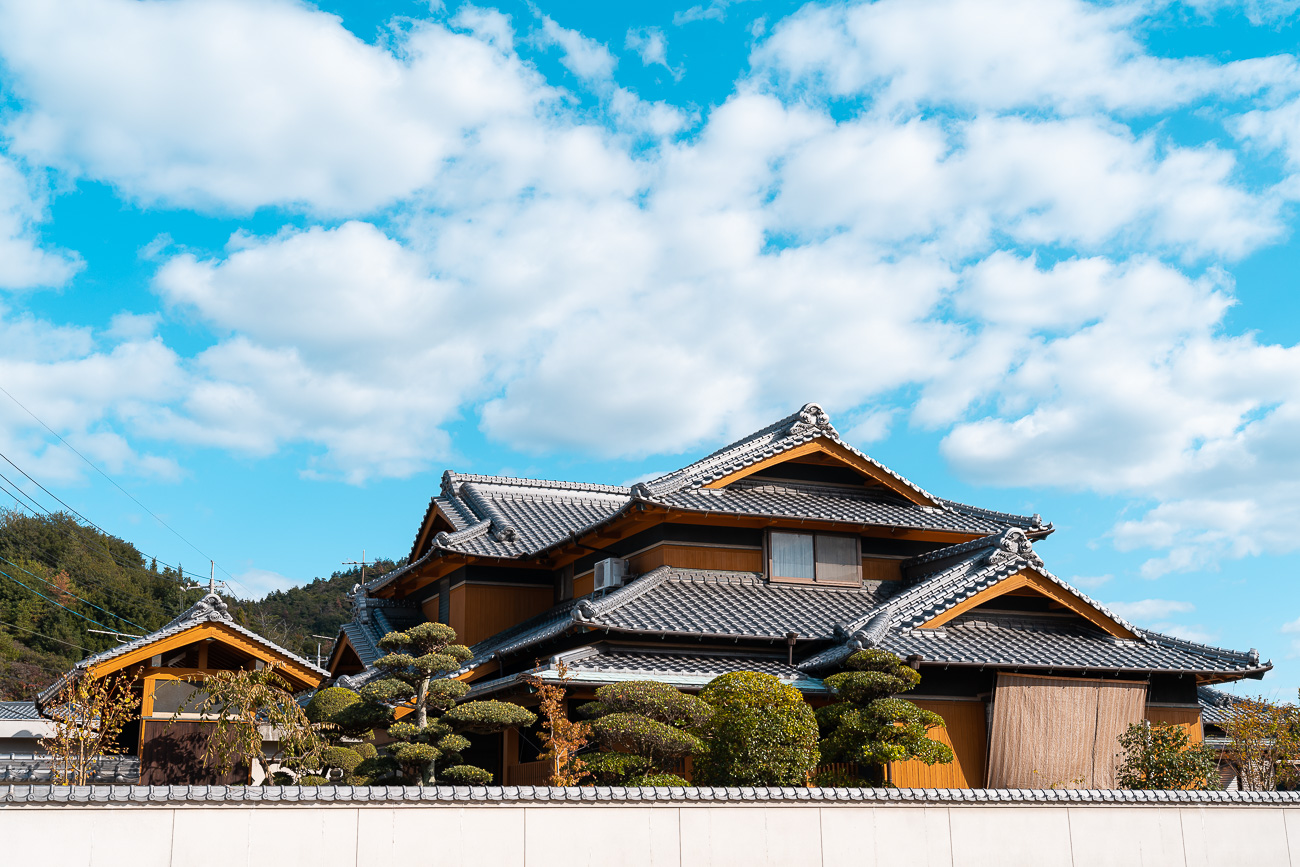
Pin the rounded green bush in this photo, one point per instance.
(312, 780)
(487, 717)
(642, 736)
(671, 781)
(614, 769)
(658, 701)
(366, 750)
(329, 702)
(465, 775)
(762, 733)
(343, 758)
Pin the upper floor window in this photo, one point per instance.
(814, 557)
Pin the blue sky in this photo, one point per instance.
(273, 266)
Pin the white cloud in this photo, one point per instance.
(584, 57)
(24, 263)
(1146, 610)
(236, 104)
(1066, 55)
(1091, 582)
(714, 10)
(651, 46)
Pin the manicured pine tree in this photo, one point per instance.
(868, 725)
(643, 727)
(762, 733)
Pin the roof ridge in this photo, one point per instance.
(589, 610)
(1251, 655)
(452, 481)
(1034, 521)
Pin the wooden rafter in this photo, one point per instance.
(1044, 586)
(840, 454)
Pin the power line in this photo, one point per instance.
(49, 600)
(134, 598)
(43, 635)
(105, 475)
(73, 595)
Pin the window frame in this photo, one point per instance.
(769, 562)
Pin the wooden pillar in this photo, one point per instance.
(203, 654)
(510, 756)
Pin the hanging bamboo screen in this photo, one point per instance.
(1056, 732)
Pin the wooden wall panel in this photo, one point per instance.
(486, 609)
(881, 570)
(430, 609)
(965, 734)
(1187, 717)
(583, 585)
(697, 557)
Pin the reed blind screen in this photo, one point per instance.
(1059, 732)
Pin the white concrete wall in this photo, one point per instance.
(662, 835)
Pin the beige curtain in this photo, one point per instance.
(1060, 732)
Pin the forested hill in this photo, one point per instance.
(60, 579)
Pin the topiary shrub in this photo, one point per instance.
(330, 701)
(466, 775)
(645, 722)
(762, 733)
(869, 726)
(341, 759)
(366, 750)
(312, 780)
(658, 781)
(488, 717)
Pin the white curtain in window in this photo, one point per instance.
(792, 555)
(837, 559)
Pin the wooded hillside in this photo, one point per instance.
(60, 579)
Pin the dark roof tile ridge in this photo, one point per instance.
(591, 610)
(980, 544)
(502, 529)
(1251, 656)
(680, 575)
(453, 480)
(812, 488)
(1029, 522)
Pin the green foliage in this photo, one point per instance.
(1162, 756)
(327, 703)
(867, 725)
(762, 733)
(658, 780)
(466, 775)
(312, 780)
(613, 769)
(642, 720)
(487, 717)
(342, 759)
(649, 698)
(60, 557)
(839, 778)
(654, 741)
(366, 750)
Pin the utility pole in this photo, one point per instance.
(318, 656)
(361, 563)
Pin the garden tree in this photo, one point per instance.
(867, 725)
(762, 733)
(643, 727)
(347, 722)
(1263, 744)
(237, 704)
(88, 716)
(1162, 756)
(561, 737)
(415, 668)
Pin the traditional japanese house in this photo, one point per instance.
(783, 553)
(166, 668)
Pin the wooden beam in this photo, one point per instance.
(1043, 585)
(840, 454)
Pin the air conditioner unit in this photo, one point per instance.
(610, 573)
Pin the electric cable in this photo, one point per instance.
(70, 593)
(43, 635)
(51, 601)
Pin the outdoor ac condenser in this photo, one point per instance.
(610, 573)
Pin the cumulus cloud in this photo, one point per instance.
(24, 262)
(236, 104)
(939, 213)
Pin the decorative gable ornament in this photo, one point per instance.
(813, 419)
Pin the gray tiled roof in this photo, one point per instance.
(18, 768)
(607, 664)
(209, 609)
(269, 796)
(741, 604)
(18, 710)
(512, 518)
(1044, 642)
(1216, 705)
(962, 571)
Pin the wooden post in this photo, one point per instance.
(510, 756)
